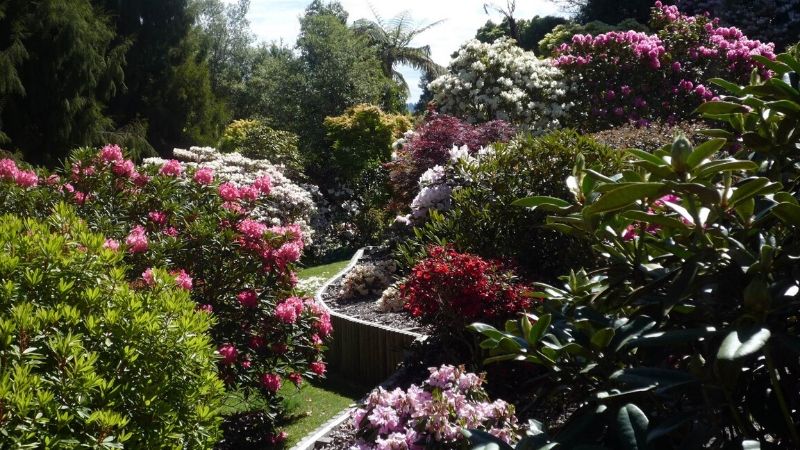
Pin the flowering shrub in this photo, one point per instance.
(482, 218)
(629, 76)
(432, 416)
(501, 81)
(368, 279)
(693, 316)
(430, 144)
(207, 233)
(253, 139)
(289, 202)
(776, 21)
(90, 359)
(449, 289)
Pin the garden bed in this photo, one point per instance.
(362, 349)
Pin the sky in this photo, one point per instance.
(274, 20)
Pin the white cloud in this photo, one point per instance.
(275, 20)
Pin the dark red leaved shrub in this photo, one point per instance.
(450, 290)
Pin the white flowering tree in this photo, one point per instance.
(501, 81)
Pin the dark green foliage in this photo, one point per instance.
(649, 138)
(90, 360)
(530, 31)
(687, 336)
(59, 64)
(614, 11)
(167, 80)
(484, 221)
(255, 140)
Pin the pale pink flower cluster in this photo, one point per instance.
(288, 310)
(204, 176)
(433, 414)
(22, 178)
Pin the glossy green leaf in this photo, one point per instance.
(539, 328)
(739, 344)
(789, 213)
(704, 151)
(601, 338)
(720, 108)
(632, 426)
(533, 202)
(623, 196)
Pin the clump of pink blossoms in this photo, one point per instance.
(432, 415)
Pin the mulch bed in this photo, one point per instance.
(365, 308)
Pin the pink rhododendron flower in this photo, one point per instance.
(111, 153)
(318, 367)
(276, 439)
(228, 192)
(204, 176)
(137, 240)
(296, 378)
(8, 169)
(248, 298)
(171, 168)
(111, 244)
(206, 308)
(248, 193)
(228, 353)
(252, 229)
(157, 217)
(171, 231)
(80, 197)
(271, 381)
(263, 184)
(286, 312)
(183, 280)
(123, 168)
(140, 179)
(52, 180)
(26, 178)
(149, 277)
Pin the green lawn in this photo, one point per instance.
(316, 403)
(312, 278)
(308, 407)
(325, 271)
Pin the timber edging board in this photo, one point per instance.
(362, 351)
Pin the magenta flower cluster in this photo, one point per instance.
(628, 76)
(432, 415)
(22, 178)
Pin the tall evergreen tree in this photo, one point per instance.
(164, 55)
(59, 64)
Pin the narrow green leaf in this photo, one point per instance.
(720, 108)
(539, 328)
(533, 202)
(789, 213)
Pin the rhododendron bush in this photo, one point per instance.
(430, 144)
(431, 416)
(629, 76)
(501, 81)
(91, 360)
(449, 289)
(215, 238)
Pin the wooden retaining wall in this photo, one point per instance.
(362, 351)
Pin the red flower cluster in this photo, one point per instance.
(451, 289)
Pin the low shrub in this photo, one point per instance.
(369, 278)
(637, 77)
(254, 139)
(449, 289)
(90, 359)
(431, 416)
(362, 137)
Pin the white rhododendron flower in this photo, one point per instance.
(501, 81)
